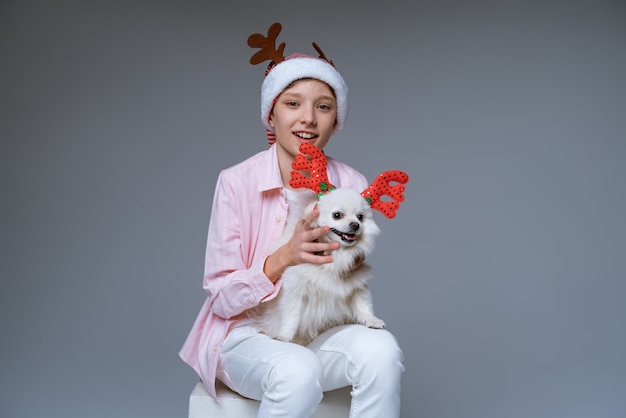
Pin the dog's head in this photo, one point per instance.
(349, 217)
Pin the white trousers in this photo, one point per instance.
(289, 379)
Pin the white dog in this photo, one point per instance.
(314, 298)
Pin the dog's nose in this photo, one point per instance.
(354, 226)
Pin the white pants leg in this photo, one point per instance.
(285, 377)
(369, 360)
(289, 379)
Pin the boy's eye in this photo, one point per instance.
(324, 107)
(337, 215)
(291, 103)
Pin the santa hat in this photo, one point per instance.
(282, 71)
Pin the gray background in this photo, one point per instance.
(502, 276)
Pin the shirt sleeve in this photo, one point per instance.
(232, 286)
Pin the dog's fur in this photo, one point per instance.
(314, 298)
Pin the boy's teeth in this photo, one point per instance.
(305, 135)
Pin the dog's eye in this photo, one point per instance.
(337, 215)
(360, 217)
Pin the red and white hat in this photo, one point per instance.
(282, 71)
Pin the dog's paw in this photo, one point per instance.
(284, 338)
(374, 322)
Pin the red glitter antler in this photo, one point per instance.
(313, 161)
(382, 187)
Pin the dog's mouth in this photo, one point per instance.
(344, 235)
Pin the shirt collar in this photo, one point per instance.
(269, 175)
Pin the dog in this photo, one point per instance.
(314, 298)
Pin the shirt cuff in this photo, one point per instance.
(264, 289)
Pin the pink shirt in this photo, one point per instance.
(247, 219)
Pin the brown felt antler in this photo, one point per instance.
(382, 187)
(322, 55)
(313, 161)
(267, 45)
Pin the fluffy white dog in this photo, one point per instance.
(314, 298)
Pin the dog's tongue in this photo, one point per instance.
(348, 237)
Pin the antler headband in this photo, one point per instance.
(315, 165)
(282, 71)
(268, 50)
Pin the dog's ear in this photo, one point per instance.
(382, 186)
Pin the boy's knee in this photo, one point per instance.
(383, 353)
(387, 345)
(302, 372)
(294, 384)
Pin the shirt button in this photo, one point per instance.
(216, 348)
(277, 219)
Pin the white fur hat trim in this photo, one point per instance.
(292, 69)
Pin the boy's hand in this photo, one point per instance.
(302, 247)
(308, 248)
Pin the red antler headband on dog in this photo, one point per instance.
(315, 165)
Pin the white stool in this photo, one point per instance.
(336, 404)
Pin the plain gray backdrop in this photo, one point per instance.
(503, 275)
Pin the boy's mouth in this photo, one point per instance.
(305, 135)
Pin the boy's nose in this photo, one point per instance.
(308, 116)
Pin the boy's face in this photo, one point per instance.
(305, 112)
